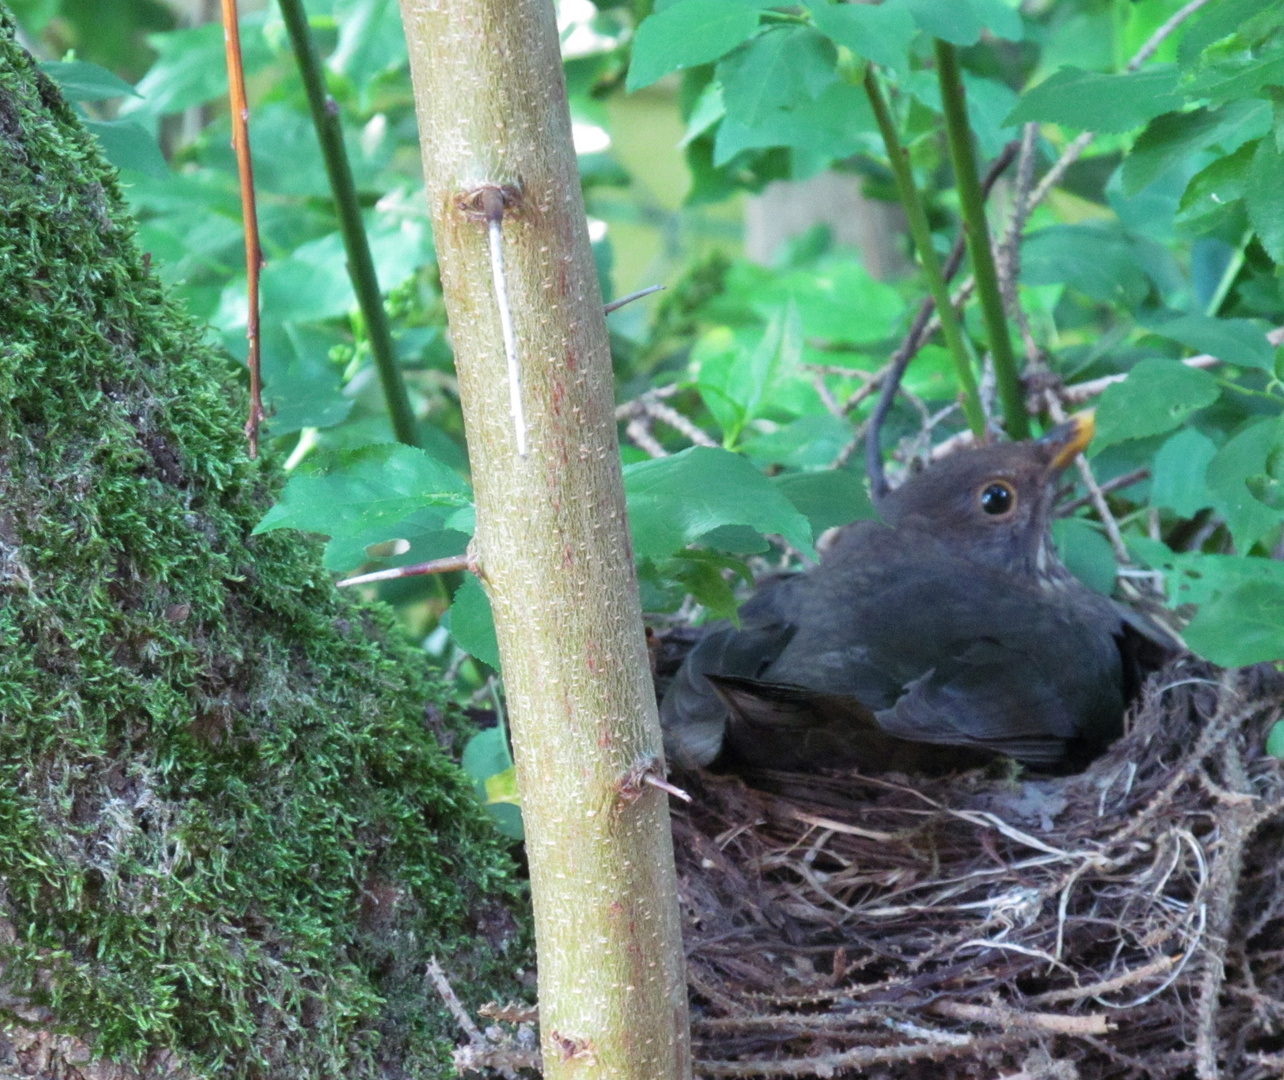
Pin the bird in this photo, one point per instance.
(943, 636)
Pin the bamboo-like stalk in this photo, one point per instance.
(977, 231)
(361, 268)
(921, 232)
(552, 537)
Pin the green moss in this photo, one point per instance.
(224, 827)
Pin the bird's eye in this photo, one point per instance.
(997, 498)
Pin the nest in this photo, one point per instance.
(1128, 920)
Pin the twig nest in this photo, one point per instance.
(1126, 920)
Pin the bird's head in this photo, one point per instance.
(994, 503)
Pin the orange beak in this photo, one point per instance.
(1070, 438)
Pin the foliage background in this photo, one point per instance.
(1161, 241)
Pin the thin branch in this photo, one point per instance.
(923, 326)
(435, 566)
(1163, 33)
(240, 111)
(1117, 484)
(921, 231)
(975, 228)
(361, 268)
(615, 305)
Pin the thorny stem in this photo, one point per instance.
(921, 231)
(977, 231)
(361, 268)
(618, 303)
(240, 111)
(919, 332)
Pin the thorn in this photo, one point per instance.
(664, 785)
(435, 566)
(615, 305)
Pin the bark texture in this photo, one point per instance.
(228, 841)
(552, 537)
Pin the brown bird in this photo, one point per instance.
(947, 635)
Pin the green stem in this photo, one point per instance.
(365, 282)
(977, 232)
(921, 231)
(1233, 267)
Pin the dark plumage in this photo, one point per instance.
(948, 634)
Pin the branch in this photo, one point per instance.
(361, 268)
(240, 111)
(921, 231)
(977, 231)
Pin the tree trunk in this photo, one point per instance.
(552, 536)
(229, 843)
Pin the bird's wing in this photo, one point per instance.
(692, 714)
(790, 727)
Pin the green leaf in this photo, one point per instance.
(878, 32)
(701, 574)
(833, 126)
(300, 384)
(1177, 475)
(1089, 101)
(363, 496)
(1194, 577)
(1243, 457)
(486, 759)
(1215, 22)
(80, 80)
(673, 501)
(502, 788)
(960, 22)
(1098, 261)
(687, 34)
(828, 497)
(734, 383)
(1264, 195)
(192, 67)
(1275, 740)
(778, 70)
(471, 623)
(810, 442)
(371, 40)
(1238, 78)
(129, 145)
(1233, 341)
(1215, 188)
(1157, 396)
(837, 300)
(1173, 137)
(1244, 626)
(1086, 553)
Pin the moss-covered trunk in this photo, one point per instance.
(228, 841)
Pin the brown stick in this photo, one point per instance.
(240, 110)
(435, 566)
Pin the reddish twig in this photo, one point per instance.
(435, 566)
(253, 252)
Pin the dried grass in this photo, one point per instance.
(1125, 921)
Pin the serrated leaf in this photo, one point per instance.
(192, 67)
(810, 442)
(1215, 188)
(1264, 196)
(1233, 341)
(1177, 476)
(675, 500)
(701, 574)
(1244, 626)
(776, 71)
(1157, 396)
(1244, 456)
(1194, 577)
(1215, 22)
(471, 623)
(80, 80)
(1098, 261)
(878, 32)
(1238, 77)
(1173, 137)
(687, 34)
(833, 126)
(363, 496)
(1088, 101)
